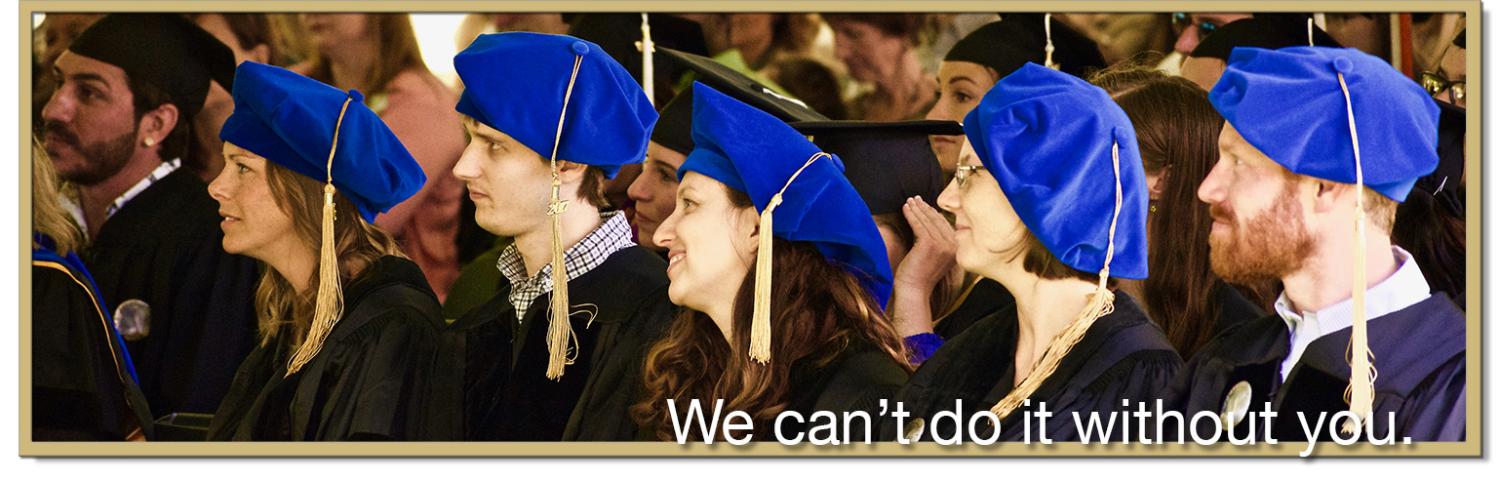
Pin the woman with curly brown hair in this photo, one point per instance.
(808, 336)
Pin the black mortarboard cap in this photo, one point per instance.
(887, 162)
(1019, 38)
(674, 127)
(167, 51)
(1266, 32)
(618, 34)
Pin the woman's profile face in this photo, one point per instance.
(710, 244)
(254, 224)
(960, 86)
(986, 227)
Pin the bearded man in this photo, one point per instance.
(116, 128)
(1319, 147)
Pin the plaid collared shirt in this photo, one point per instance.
(590, 252)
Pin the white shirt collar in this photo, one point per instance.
(1404, 288)
(161, 171)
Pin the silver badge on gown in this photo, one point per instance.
(1236, 404)
(133, 319)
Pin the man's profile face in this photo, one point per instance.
(89, 123)
(1259, 230)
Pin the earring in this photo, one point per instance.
(1153, 207)
(150, 142)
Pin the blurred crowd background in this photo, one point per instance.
(856, 66)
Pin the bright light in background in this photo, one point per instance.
(435, 39)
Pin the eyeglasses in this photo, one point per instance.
(1181, 21)
(964, 172)
(1434, 82)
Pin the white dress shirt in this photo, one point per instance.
(1404, 288)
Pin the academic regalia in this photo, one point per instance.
(1421, 378)
(518, 384)
(1350, 102)
(82, 382)
(379, 376)
(889, 163)
(477, 282)
(509, 397)
(1234, 307)
(983, 298)
(164, 246)
(1267, 32)
(1124, 355)
(674, 129)
(858, 379)
(371, 370)
(1019, 38)
(1066, 159)
(802, 195)
(620, 35)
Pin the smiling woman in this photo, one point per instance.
(805, 330)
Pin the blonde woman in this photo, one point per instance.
(349, 327)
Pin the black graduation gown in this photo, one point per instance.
(81, 388)
(165, 248)
(857, 379)
(1419, 354)
(379, 375)
(986, 298)
(507, 394)
(1124, 355)
(1234, 308)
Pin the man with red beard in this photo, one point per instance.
(1293, 200)
(116, 128)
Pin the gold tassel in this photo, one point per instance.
(330, 299)
(559, 326)
(1100, 304)
(1361, 391)
(760, 319)
(648, 67)
(1047, 25)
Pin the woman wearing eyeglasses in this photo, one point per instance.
(1192, 28)
(1050, 201)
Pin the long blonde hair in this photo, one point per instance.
(47, 214)
(280, 310)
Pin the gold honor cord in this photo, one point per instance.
(1361, 391)
(559, 327)
(330, 298)
(760, 320)
(1101, 303)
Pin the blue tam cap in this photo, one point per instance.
(1288, 104)
(1047, 138)
(755, 153)
(290, 119)
(516, 82)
